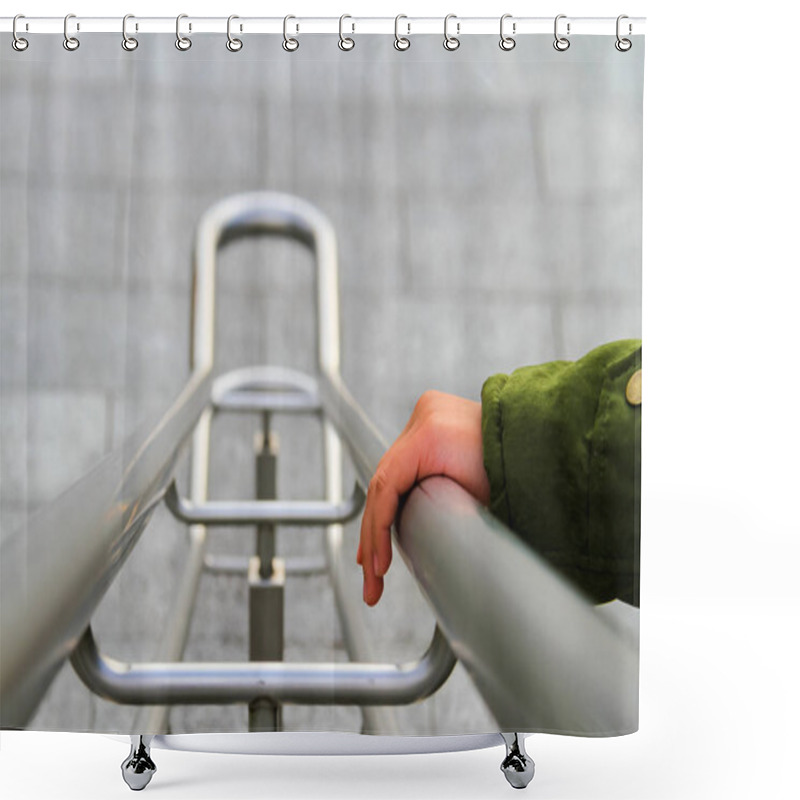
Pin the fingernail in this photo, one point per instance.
(375, 565)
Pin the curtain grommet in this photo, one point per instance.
(129, 43)
(71, 43)
(623, 44)
(451, 43)
(183, 43)
(561, 43)
(289, 43)
(507, 42)
(18, 42)
(401, 43)
(346, 43)
(233, 44)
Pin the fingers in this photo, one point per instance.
(383, 498)
(373, 585)
(396, 474)
(442, 437)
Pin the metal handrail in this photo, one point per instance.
(240, 565)
(267, 213)
(266, 388)
(521, 630)
(73, 550)
(279, 512)
(320, 684)
(57, 569)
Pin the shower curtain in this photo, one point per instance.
(487, 206)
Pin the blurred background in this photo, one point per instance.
(488, 212)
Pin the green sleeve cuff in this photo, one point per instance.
(561, 451)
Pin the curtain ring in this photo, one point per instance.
(233, 44)
(18, 43)
(129, 43)
(70, 42)
(289, 44)
(183, 43)
(346, 42)
(561, 43)
(451, 42)
(507, 42)
(623, 45)
(401, 42)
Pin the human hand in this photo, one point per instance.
(443, 437)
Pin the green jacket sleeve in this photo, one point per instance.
(561, 444)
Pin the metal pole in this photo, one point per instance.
(540, 654)
(318, 684)
(598, 26)
(77, 545)
(268, 213)
(267, 449)
(255, 512)
(55, 572)
(156, 719)
(266, 583)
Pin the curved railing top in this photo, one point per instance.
(266, 213)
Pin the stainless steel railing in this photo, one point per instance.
(57, 569)
(481, 582)
(538, 651)
(67, 573)
(254, 389)
(319, 684)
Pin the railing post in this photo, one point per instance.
(266, 446)
(266, 581)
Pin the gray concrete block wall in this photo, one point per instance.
(488, 209)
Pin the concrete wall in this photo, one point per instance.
(488, 208)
